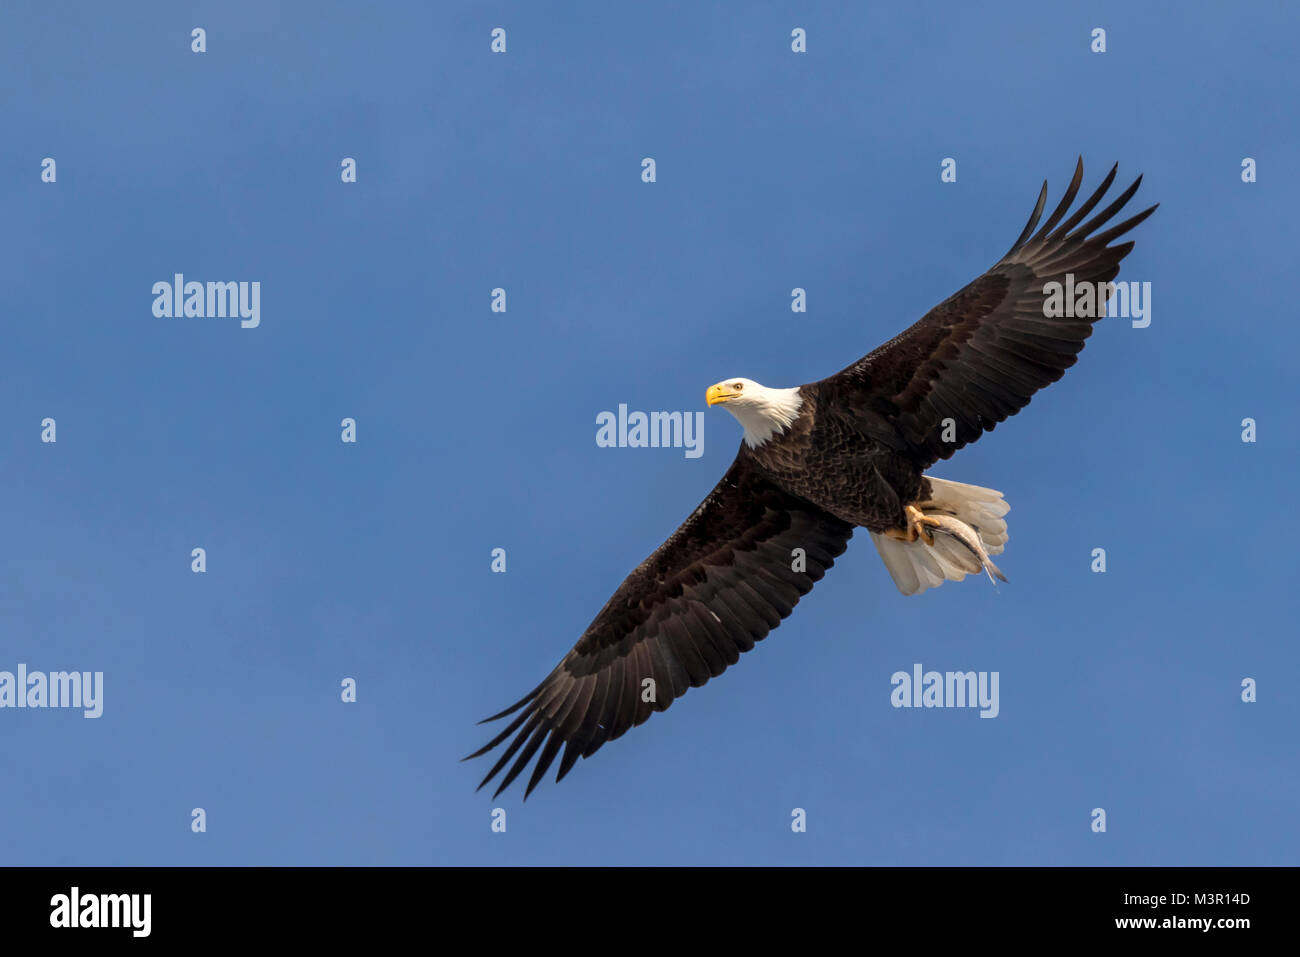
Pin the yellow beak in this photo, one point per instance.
(719, 393)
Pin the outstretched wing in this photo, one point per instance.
(722, 581)
(978, 357)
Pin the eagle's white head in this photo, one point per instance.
(763, 412)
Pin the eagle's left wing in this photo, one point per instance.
(978, 357)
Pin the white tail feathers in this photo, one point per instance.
(916, 566)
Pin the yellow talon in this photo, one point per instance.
(918, 526)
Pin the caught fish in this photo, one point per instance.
(967, 537)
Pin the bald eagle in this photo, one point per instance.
(816, 462)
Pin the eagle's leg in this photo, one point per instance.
(918, 526)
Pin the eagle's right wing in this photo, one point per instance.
(721, 582)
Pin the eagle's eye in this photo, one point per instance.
(739, 386)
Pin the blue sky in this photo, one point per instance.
(476, 430)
